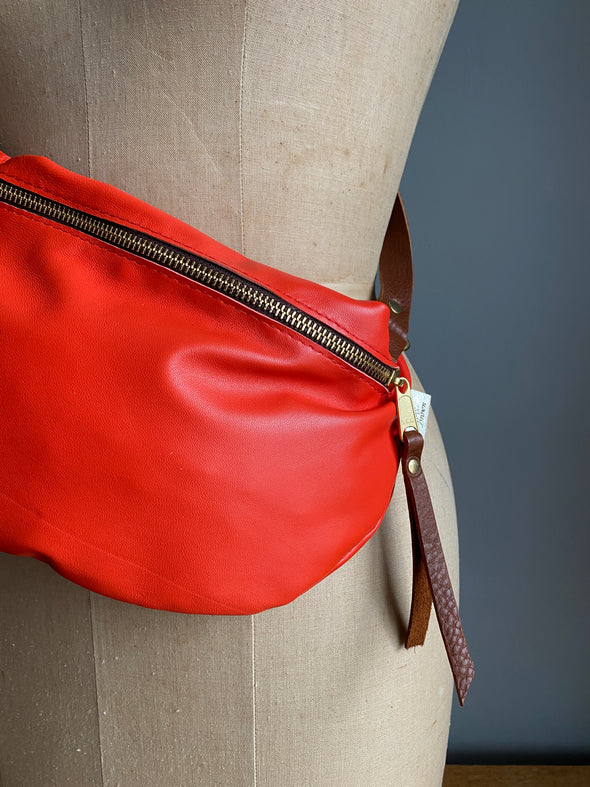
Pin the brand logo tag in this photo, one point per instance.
(421, 402)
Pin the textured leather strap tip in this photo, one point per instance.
(432, 583)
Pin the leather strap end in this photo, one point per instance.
(396, 277)
(431, 576)
(421, 596)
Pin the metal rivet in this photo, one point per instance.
(395, 306)
(413, 466)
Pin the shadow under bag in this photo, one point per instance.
(186, 429)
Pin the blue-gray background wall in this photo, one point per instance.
(496, 190)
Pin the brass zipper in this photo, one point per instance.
(208, 273)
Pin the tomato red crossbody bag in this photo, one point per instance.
(186, 429)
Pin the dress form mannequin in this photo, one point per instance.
(281, 130)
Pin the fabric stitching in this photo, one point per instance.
(101, 748)
(85, 84)
(254, 708)
(240, 129)
(243, 250)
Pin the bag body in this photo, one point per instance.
(186, 429)
(182, 428)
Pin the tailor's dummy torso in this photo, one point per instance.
(281, 130)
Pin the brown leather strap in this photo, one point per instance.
(431, 577)
(431, 581)
(396, 277)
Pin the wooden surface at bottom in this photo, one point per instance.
(517, 776)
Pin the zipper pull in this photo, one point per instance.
(406, 416)
(431, 582)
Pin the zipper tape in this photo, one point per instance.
(207, 273)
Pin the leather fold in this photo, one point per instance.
(397, 280)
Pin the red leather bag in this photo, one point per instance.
(184, 428)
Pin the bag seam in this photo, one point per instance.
(202, 289)
(138, 226)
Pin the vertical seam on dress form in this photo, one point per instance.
(243, 250)
(90, 604)
(85, 81)
(240, 137)
(92, 631)
(254, 753)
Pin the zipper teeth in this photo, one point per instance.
(205, 272)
